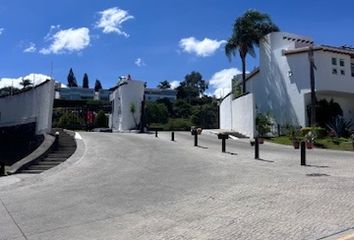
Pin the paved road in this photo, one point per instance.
(130, 186)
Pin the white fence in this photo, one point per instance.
(239, 114)
(34, 105)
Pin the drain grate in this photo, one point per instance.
(317, 175)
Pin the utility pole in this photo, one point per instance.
(312, 83)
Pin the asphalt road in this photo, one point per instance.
(132, 186)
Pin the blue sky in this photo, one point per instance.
(153, 40)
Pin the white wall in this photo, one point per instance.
(325, 80)
(238, 115)
(35, 105)
(226, 113)
(276, 92)
(123, 97)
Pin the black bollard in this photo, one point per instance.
(223, 144)
(56, 141)
(256, 148)
(156, 133)
(2, 169)
(172, 136)
(195, 139)
(303, 153)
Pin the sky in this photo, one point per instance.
(152, 40)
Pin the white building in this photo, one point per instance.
(127, 95)
(33, 105)
(281, 84)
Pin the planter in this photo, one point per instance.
(296, 145)
(260, 140)
(309, 145)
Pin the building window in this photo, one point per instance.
(352, 70)
(334, 71)
(341, 62)
(342, 72)
(334, 61)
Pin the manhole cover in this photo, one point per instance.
(317, 175)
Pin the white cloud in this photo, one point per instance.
(204, 48)
(35, 78)
(139, 62)
(174, 84)
(67, 41)
(2, 30)
(221, 81)
(112, 19)
(31, 48)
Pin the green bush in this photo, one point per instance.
(101, 120)
(205, 116)
(156, 113)
(179, 124)
(318, 131)
(70, 120)
(263, 124)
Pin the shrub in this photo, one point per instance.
(101, 120)
(320, 132)
(70, 120)
(339, 127)
(181, 124)
(205, 116)
(263, 124)
(156, 113)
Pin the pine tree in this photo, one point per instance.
(98, 85)
(71, 79)
(85, 81)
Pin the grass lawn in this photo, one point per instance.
(325, 143)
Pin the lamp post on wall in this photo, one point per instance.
(312, 84)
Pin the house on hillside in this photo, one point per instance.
(281, 84)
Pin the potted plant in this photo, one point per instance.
(310, 139)
(294, 136)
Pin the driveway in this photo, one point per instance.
(136, 186)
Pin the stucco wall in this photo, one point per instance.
(225, 113)
(238, 115)
(35, 105)
(123, 97)
(279, 87)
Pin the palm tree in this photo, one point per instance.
(247, 31)
(164, 85)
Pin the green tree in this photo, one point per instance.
(101, 120)
(182, 109)
(192, 87)
(71, 79)
(85, 81)
(247, 31)
(156, 113)
(167, 102)
(164, 85)
(98, 85)
(205, 116)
